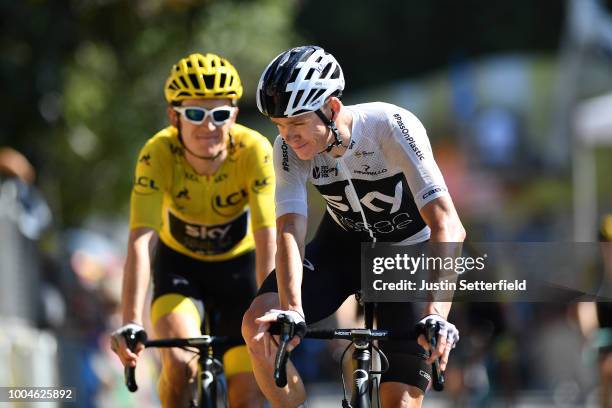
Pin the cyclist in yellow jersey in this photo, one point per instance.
(203, 195)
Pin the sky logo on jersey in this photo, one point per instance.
(384, 207)
(145, 159)
(208, 239)
(408, 137)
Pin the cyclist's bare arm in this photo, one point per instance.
(291, 237)
(265, 250)
(137, 273)
(136, 276)
(441, 217)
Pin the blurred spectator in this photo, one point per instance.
(92, 277)
(19, 199)
(24, 216)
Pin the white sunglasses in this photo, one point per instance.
(197, 115)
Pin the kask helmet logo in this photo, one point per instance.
(299, 81)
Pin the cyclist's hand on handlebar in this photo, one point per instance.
(119, 344)
(447, 338)
(271, 316)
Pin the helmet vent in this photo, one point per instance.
(209, 81)
(194, 80)
(298, 98)
(326, 70)
(222, 80)
(314, 95)
(310, 95)
(309, 75)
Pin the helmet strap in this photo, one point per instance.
(331, 124)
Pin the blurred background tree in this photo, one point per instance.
(83, 82)
(82, 79)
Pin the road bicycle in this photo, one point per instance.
(210, 388)
(365, 380)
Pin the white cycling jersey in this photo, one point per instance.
(375, 190)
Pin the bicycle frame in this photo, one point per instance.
(361, 395)
(210, 378)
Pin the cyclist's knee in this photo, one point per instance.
(394, 394)
(243, 391)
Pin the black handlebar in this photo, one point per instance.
(284, 325)
(132, 338)
(431, 334)
(286, 328)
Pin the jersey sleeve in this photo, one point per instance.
(151, 179)
(291, 175)
(408, 147)
(260, 179)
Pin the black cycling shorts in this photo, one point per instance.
(332, 273)
(221, 291)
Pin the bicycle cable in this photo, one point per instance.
(384, 361)
(342, 373)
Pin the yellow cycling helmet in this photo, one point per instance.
(203, 76)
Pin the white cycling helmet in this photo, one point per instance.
(298, 81)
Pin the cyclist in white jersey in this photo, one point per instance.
(374, 166)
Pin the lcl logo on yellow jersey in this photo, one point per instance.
(229, 205)
(146, 182)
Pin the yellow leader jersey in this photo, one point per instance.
(211, 218)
